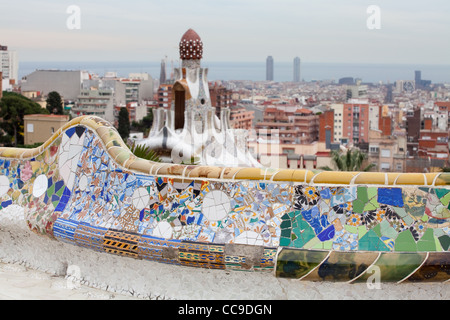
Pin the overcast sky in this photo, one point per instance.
(411, 32)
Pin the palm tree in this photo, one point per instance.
(352, 160)
(144, 152)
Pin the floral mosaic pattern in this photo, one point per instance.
(81, 188)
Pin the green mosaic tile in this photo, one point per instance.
(362, 195)
(362, 230)
(304, 234)
(408, 220)
(377, 229)
(371, 206)
(358, 206)
(285, 242)
(328, 245)
(51, 190)
(387, 230)
(405, 242)
(351, 229)
(318, 245)
(438, 232)
(427, 242)
(443, 195)
(372, 192)
(371, 242)
(445, 242)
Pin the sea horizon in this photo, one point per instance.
(256, 71)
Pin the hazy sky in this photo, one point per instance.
(411, 32)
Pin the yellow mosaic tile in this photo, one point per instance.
(123, 157)
(205, 172)
(74, 122)
(28, 153)
(334, 177)
(140, 165)
(284, 175)
(269, 173)
(410, 179)
(228, 173)
(370, 178)
(90, 122)
(114, 152)
(175, 170)
(160, 168)
(250, 174)
(105, 134)
(11, 153)
(302, 176)
(430, 178)
(391, 177)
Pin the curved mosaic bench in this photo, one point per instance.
(84, 187)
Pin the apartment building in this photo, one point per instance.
(138, 87)
(241, 118)
(220, 97)
(388, 152)
(99, 97)
(289, 125)
(164, 95)
(9, 65)
(355, 122)
(67, 83)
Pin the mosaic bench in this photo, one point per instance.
(84, 187)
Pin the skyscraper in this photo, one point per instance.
(269, 68)
(296, 69)
(162, 75)
(9, 64)
(418, 76)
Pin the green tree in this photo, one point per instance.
(144, 152)
(55, 104)
(124, 123)
(352, 160)
(144, 125)
(13, 107)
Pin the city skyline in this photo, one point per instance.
(146, 31)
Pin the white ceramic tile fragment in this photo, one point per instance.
(140, 198)
(250, 238)
(216, 205)
(4, 185)
(163, 230)
(40, 186)
(83, 183)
